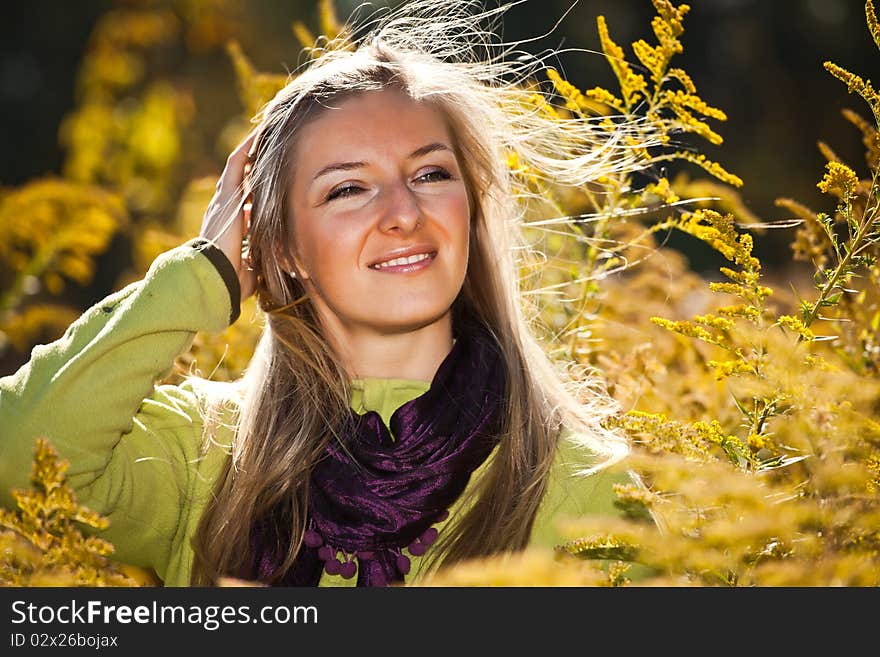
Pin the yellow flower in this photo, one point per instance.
(854, 83)
(663, 190)
(727, 368)
(710, 167)
(839, 180)
(605, 97)
(756, 441)
(794, 324)
(632, 85)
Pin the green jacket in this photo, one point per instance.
(135, 448)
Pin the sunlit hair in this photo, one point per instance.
(294, 395)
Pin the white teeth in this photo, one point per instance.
(403, 261)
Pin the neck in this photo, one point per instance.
(413, 355)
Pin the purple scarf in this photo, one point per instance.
(374, 496)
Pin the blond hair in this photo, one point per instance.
(294, 395)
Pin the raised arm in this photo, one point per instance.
(93, 391)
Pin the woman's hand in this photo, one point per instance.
(224, 230)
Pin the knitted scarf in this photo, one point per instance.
(372, 495)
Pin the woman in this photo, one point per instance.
(398, 413)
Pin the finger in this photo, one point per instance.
(247, 147)
(239, 161)
(253, 140)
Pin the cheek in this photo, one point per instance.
(324, 247)
(459, 221)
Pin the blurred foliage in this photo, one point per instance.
(50, 232)
(40, 544)
(751, 407)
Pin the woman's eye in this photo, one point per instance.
(345, 190)
(434, 176)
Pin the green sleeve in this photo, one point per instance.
(130, 444)
(572, 495)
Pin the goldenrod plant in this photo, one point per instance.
(41, 543)
(752, 410)
(751, 404)
(595, 231)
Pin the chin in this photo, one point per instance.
(403, 322)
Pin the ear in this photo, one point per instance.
(288, 259)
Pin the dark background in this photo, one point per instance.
(761, 62)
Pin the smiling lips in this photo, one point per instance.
(407, 263)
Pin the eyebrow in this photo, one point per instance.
(348, 166)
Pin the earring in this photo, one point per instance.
(292, 274)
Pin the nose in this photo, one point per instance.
(401, 211)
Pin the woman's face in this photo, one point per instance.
(380, 216)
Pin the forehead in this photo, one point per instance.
(377, 122)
